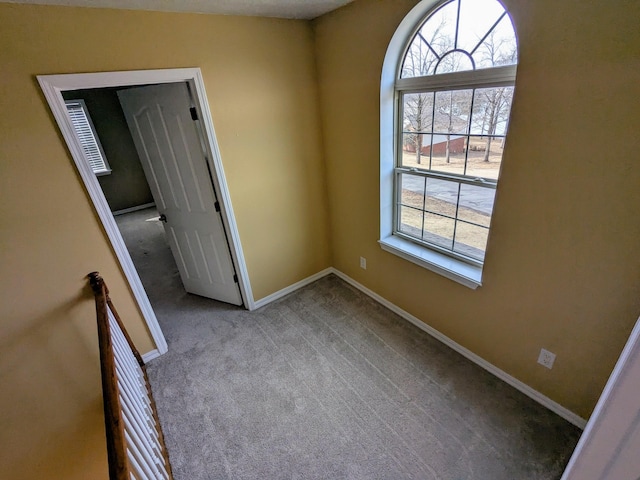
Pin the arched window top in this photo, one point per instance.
(461, 35)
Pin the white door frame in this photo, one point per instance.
(608, 448)
(53, 86)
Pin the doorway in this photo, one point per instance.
(53, 87)
(152, 146)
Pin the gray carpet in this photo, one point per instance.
(327, 384)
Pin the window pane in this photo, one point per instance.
(451, 122)
(476, 18)
(448, 153)
(476, 204)
(440, 29)
(471, 240)
(491, 108)
(415, 150)
(410, 221)
(438, 230)
(452, 112)
(484, 157)
(499, 48)
(442, 197)
(417, 112)
(419, 61)
(412, 190)
(454, 62)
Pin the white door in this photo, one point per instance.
(172, 157)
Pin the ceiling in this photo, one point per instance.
(299, 9)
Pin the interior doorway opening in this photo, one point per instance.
(54, 87)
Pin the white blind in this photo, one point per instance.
(86, 134)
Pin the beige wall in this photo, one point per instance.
(260, 80)
(562, 268)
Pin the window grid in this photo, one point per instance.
(471, 258)
(418, 40)
(444, 215)
(457, 248)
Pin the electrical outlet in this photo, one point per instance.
(546, 358)
(363, 263)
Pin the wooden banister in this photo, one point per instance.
(135, 442)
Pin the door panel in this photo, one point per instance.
(175, 166)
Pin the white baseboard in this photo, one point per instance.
(147, 357)
(292, 288)
(514, 382)
(133, 209)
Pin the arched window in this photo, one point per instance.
(447, 87)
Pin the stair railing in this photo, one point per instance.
(135, 442)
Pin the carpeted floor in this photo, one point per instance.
(327, 384)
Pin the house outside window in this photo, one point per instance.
(452, 89)
(86, 133)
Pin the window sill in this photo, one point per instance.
(468, 275)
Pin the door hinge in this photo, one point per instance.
(194, 113)
(235, 277)
(217, 204)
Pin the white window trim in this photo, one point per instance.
(449, 267)
(96, 140)
(492, 77)
(452, 268)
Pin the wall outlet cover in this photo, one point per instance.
(546, 358)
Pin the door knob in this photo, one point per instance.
(163, 218)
